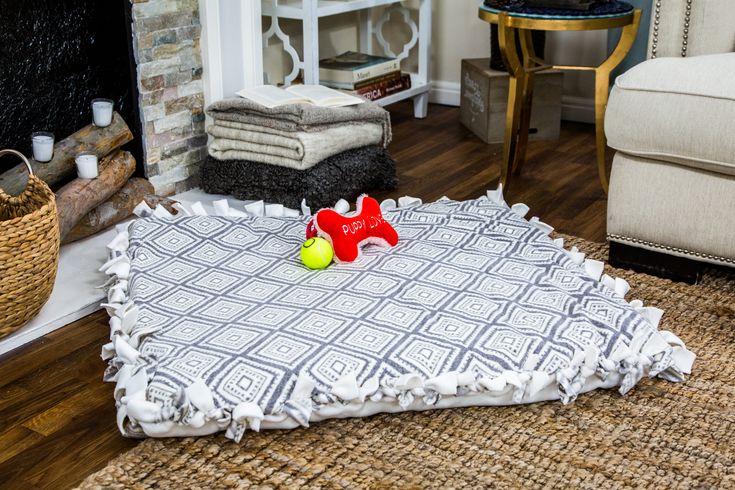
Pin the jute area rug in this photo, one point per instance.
(662, 435)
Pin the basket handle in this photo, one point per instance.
(19, 155)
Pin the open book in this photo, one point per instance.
(272, 96)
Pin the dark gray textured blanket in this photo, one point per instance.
(345, 175)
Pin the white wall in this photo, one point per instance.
(457, 33)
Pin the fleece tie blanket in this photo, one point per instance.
(300, 117)
(345, 175)
(298, 150)
(217, 326)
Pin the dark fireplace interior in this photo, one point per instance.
(55, 57)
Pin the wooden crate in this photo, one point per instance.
(484, 98)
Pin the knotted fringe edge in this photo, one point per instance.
(651, 353)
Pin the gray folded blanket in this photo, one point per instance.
(295, 149)
(345, 175)
(300, 117)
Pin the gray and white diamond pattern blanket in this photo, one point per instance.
(216, 324)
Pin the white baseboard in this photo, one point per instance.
(578, 109)
(444, 93)
(573, 108)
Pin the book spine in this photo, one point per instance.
(359, 75)
(376, 70)
(385, 88)
(395, 75)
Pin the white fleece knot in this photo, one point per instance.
(305, 210)
(518, 381)
(222, 208)
(199, 398)
(572, 378)
(300, 405)
(403, 388)
(197, 209)
(388, 205)
(181, 209)
(161, 212)
(245, 415)
(346, 388)
(632, 368)
(496, 196)
(120, 243)
(520, 209)
(118, 293)
(576, 256)
(594, 268)
(369, 388)
(544, 227)
(256, 208)
(142, 210)
(342, 206)
(408, 201)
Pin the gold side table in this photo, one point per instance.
(516, 28)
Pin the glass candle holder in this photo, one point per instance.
(102, 112)
(43, 146)
(86, 165)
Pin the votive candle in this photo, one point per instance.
(43, 146)
(102, 112)
(86, 165)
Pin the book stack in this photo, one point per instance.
(371, 77)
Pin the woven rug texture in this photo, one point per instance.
(662, 435)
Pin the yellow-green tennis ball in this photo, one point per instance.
(316, 253)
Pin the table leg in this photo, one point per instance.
(527, 99)
(516, 83)
(310, 25)
(602, 89)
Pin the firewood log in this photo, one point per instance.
(80, 196)
(153, 201)
(111, 212)
(101, 141)
(118, 208)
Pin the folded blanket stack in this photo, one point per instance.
(297, 151)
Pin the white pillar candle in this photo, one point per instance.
(43, 146)
(86, 165)
(102, 112)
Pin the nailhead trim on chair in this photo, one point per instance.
(657, 21)
(614, 237)
(687, 17)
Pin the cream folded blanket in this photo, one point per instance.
(300, 117)
(293, 149)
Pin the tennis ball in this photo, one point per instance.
(316, 253)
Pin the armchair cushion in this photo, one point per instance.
(678, 110)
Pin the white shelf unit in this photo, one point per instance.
(310, 11)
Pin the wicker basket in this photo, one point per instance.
(29, 250)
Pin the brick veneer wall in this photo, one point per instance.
(166, 39)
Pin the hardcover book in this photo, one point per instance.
(392, 76)
(384, 88)
(352, 67)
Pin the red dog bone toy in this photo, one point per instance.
(348, 233)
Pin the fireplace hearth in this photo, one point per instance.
(55, 57)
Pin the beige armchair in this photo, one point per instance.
(672, 121)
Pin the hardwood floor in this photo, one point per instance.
(57, 417)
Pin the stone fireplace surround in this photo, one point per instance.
(166, 45)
